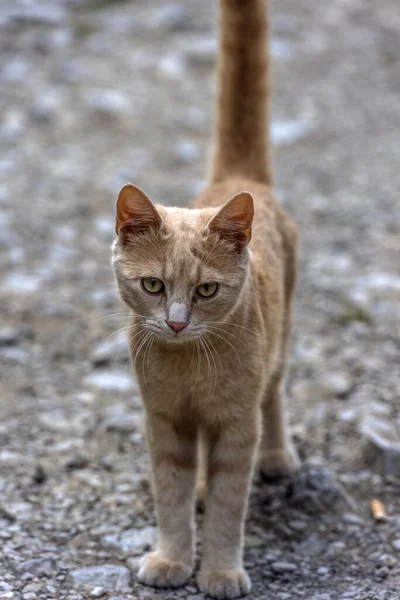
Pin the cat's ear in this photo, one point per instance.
(135, 211)
(234, 219)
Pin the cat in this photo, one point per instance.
(210, 293)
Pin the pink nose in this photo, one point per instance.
(177, 326)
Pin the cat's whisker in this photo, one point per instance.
(149, 341)
(207, 343)
(227, 333)
(127, 343)
(233, 325)
(141, 343)
(227, 342)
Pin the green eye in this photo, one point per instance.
(206, 290)
(152, 285)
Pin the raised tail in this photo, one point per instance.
(241, 144)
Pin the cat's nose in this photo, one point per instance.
(177, 326)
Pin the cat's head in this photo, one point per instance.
(181, 270)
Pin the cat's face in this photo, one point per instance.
(180, 270)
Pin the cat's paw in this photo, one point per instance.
(160, 572)
(274, 464)
(224, 584)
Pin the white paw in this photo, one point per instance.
(224, 584)
(160, 572)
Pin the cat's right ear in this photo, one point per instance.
(135, 211)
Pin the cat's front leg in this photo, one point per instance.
(173, 456)
(230, 467)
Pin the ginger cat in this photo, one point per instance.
(210, 293)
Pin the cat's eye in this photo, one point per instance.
(152, 285)
(206, 290)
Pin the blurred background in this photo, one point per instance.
(95, 93)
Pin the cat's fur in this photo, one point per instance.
(213, 391)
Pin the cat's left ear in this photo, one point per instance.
(135, 211)
(234, 219)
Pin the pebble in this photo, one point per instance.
(339, 384)
(314, 489)
(97, 592)
(124, 423)
(112, 578)
(119, 381)
(297, 525)
(285, 133)
(382, 572)
(387, 560)
(10, 336)
(353, 519)
(396, 544)
(186, 151)
(382, 444)
(282, 566)
(108, 102)
(132, 541)
(116, 347)
(40, 567)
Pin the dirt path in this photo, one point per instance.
(95, 93)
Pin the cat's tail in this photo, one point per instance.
(241, 144)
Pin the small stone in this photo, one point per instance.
(396, 544)
(113, 578)
(382, 572)
(282, 566)
(40, 475)
(353, 519)
(322, 571)
(297, 525)
(382, 444)
(186, 151)
(79, 461)
(124, 423)
(119, 381)
(108, 102)
(9, 336)
(387, 560)
(29, 596)
(172, 17)
(132, 541)
(110, 350)
(97, 592)
(40, 567)
(339, 384)
(314, 489)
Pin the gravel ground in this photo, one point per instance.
(95, 93)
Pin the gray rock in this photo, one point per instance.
(381, 444)
(132, 541)
(116, 347)
(387, 560)
(9, 336)
(339, 384)
(97, 592)
(396, 544)
(172, 17)
(282, 566)
(112, 578)
(124, 423)
(315, 489)
(284, 133)
(186, 151)
(41, 567)
(108, 102)
(119, 381)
